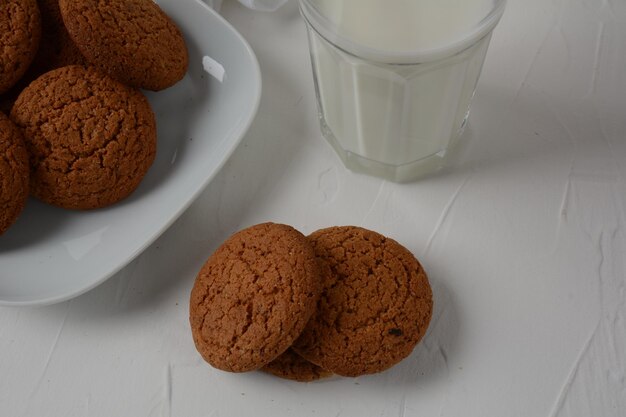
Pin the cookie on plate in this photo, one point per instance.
(292, 366)
(253, 297)
(90, 138)
(13, 173)
(376, 303)
(20, 32)
(56, 50)
(134, 41)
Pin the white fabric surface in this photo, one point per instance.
(524, 241)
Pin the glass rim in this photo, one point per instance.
(326, 29)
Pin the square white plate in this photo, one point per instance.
(50, 254)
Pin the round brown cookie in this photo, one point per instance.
(253, 297)
(90, 138)
(13, 173)
(20, 31)
(56, 50)
(134, 41)
(292, 366)
(375, 306)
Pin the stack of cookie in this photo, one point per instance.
(344, 300)
(70, 74)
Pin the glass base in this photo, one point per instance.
(397, 173)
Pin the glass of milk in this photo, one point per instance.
(394, 78)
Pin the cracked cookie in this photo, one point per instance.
(90, 138)
(134, 41)
(253, 297)
(376, 303)
(20, 32)
(56, 50)
(292, 366)
(13, 173)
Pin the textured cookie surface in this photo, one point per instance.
(253, 297)
(20, 31)
(292, 366)
(56, 50)
(376, 303)
(90, 138)
(134, 41)
(13, 173)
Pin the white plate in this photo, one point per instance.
(51, 254)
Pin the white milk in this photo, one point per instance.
(389, 119)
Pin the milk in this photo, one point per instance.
(394, 78)
(404, 25)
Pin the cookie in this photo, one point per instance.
(134, 41)
(90, 138)
(56, 50)
(20, 32)
(375, 306)
(13, 173)
(253, 297)
(292, 366)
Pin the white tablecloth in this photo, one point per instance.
(524, 241)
